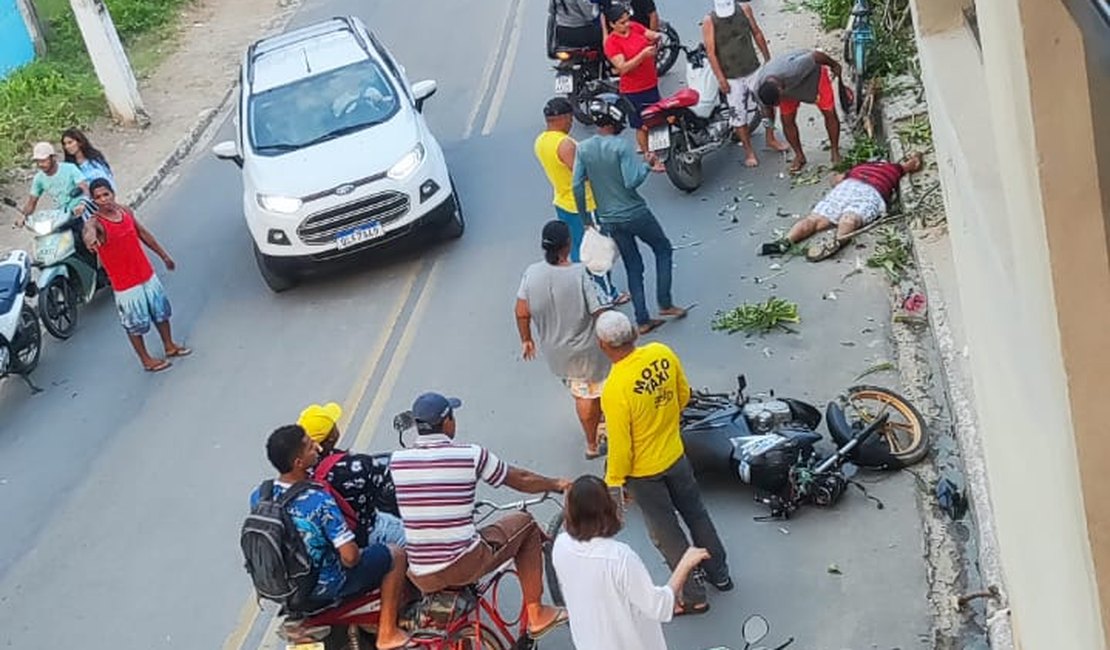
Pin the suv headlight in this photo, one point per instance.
(407, 164)
(279, 204)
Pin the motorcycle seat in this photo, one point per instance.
(11, 279)
(578, 53)
(682, 99)
(317, 608)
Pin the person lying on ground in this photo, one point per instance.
(858, 198)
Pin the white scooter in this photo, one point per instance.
(20, 334)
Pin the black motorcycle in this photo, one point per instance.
(770, 443)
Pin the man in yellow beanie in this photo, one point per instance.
(362, 480)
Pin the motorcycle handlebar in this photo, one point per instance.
(487, 508)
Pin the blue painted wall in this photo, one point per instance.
(16, 47)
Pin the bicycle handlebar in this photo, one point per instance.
(487, 508)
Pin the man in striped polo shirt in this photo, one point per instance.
(860, 196)
(436, 483)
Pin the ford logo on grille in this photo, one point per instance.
(345, 189)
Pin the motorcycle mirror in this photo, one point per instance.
(849, 470)
(402, 422)
(755, 628)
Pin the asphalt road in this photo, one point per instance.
(121, 493)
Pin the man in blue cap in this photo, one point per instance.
(436, 482)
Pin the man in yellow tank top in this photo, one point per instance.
(555, 150)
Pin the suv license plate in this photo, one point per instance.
(349, 238)
(305, 646)
(659, 138)
(564, 84)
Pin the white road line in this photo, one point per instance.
(487, 74)
(506, 71)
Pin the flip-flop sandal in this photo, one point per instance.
(824, 250)
(158, 367)
(602, 449)
(407, 645)
(682, 312)
(651, 326)
(622, 299)
(180, 352)
(693, 610)
(560, 619)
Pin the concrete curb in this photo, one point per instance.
(951, 563)
(184, 147)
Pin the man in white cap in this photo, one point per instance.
(63, 182)
(731, 35)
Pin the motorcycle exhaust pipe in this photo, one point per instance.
(860, 438)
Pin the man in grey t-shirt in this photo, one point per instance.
(560, 300)
(801, 76)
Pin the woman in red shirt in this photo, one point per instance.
(117, 237)
(630, 47)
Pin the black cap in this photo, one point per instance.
(431, 409)
(557, 106)
(556, 234)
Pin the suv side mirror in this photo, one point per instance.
(422, 90)
(227, 150)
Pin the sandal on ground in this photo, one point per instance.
(559, 619)
(622, 298)
(158, 367)
(602, 449)
(692, 610)
(673, 312)
(181, 351)
(824, 250)
(651, 326)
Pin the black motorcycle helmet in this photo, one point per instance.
(606, 110)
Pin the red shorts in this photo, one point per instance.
(825, 100)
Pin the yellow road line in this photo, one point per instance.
(358, 389)
(389, 379)
(506, 71)
(245, 622)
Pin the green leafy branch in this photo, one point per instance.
(757, 318)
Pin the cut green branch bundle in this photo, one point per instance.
(757, 318)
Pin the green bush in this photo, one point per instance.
(833, 13)
(40, 100)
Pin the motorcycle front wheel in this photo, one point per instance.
(25, 358)
(58, 304)
(683, 170)
(905, 432)
(667, 54)
(554, 527)
(580, 101)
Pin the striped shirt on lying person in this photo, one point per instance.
(436, 484)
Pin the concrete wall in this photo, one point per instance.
(1015, 145)
(16, 45)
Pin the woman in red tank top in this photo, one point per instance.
(117, 238)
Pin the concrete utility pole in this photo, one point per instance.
(34, 25)
(110, 61)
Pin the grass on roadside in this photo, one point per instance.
(61, 90)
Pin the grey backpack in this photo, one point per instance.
(275, 553)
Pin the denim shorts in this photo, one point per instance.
(639, 102)
(141, 305)
(388, 529)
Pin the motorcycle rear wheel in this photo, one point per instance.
(905, 432)
(684, 174)
(58, 305)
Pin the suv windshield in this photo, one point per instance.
(320, 108)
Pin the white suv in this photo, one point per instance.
(336, 156)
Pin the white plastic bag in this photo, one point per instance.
(598, 252)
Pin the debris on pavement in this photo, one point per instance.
(834, 569)
(757, 318)
(687, 245)
(950, 498)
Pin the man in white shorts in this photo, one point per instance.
(731, 35)
(859, 197)
(559, 298)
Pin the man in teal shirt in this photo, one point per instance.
(615, 170)
(63, 182)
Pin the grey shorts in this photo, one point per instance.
(851, 197)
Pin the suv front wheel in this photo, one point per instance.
(275, 278)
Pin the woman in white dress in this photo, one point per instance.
(611, 600)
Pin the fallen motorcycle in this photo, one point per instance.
(692, 123)
(770, 443)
